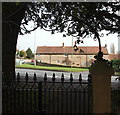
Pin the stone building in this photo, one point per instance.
(62, 55)
(114, 56)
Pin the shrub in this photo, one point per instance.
(116, 64)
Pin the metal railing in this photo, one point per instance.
(47, 95)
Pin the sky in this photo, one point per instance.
(45, 38)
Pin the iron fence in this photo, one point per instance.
(47, 95)
(116, 96)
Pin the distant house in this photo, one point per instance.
(62, 55)
(114, 56)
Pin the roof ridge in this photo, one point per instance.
(71, 46)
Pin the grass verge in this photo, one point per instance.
(52, 68)
(117, 73)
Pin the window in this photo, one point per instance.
(65, 54)
(58, 61)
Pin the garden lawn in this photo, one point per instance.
(67, 69)
(117, 73)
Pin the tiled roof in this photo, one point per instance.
(69, 50)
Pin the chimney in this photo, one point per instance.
(105, 45)
(63, 44)
(75, 43)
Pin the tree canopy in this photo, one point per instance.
(22, 53)
(75, 18)
(29, 53)
(78, 19)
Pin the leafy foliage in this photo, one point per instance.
(74, 18)
(29, 53)
(22, 53)
(79, 19)
(116, 64)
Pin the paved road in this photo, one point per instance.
(40, 74)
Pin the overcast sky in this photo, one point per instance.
(44, 38)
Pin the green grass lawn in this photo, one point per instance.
(67, 69)
(117, 73)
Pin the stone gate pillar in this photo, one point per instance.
(101, 72)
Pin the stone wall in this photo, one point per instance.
(70, 60)
(114, 56)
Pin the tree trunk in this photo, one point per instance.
(10, 29)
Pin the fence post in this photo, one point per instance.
(40, 97)
(101, 72)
